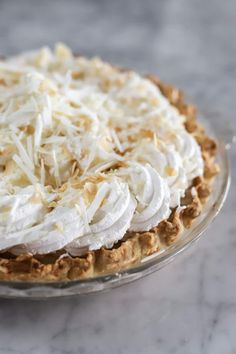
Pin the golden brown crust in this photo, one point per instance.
(134, 246)
(170, 230)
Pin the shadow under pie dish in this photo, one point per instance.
(100, 167)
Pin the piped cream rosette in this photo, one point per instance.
(151, 193)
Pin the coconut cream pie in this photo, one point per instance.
(99, 167)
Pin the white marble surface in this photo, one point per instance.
(189, 307)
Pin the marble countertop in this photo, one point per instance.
(189, 307)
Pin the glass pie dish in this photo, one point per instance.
(149, 264)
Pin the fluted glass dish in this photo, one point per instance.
(22, 289)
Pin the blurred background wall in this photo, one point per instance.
(188, 42)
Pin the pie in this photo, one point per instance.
(99, 166)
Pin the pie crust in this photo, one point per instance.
(60, 266)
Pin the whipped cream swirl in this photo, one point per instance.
(152, 195)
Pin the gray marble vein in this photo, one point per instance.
(189, 307)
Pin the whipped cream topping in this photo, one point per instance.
(152, 195)
(87, 153)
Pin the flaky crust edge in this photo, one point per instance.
(60, 266)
